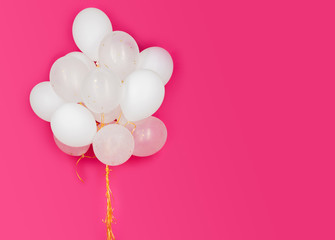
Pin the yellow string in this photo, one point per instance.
(131, 124)
(109, 212)
(118, 119)
(102, 124)
(81, 157)
(109, 215)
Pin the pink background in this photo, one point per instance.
(250, 118)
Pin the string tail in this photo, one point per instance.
(109, 215)
(81, 157)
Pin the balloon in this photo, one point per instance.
(158, 60)
(73, 151)
(101, 90)
(82, 57)
(73, 125)
(149, 136)
(143, 94)
(113, 144)
(119, 52)
(108, 117)
(44, 101)
(90, 26)
(66, 77)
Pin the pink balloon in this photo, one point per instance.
(150, 136)
(73, 151)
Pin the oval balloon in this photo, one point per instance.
(143, 94)
(89, 27)
(73, 125)
(44, 101)
(101, 90)
(119, 52)
(159, 60)
(66, 77)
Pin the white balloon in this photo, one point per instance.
(44, 101)
(73, 151)
(101, 90)
(82, 57)
(66, 77)
(90, 26)
(73, 125)
(108, 117)
(143, 94)
(119, 52)
(158, 60)
(113, 144)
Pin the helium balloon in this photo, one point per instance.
(158, 60)
(44, 101)
(101, 90)
(73, 151)
(90, 26)
(66, 77)
(143, 94)
(113, 144)
(119, 52)
(73, 125)
(149, 136)
(82, 57)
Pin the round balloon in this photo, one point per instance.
(143, 94)
(150, 136)
(101, 90)
(119, 52)
(158, 60)
(90, 26)
(66, 77)
(82, 57)
(73, 125)
(44, 101)
(73, 151)
(113, 144)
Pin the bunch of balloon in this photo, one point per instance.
(105, 95)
